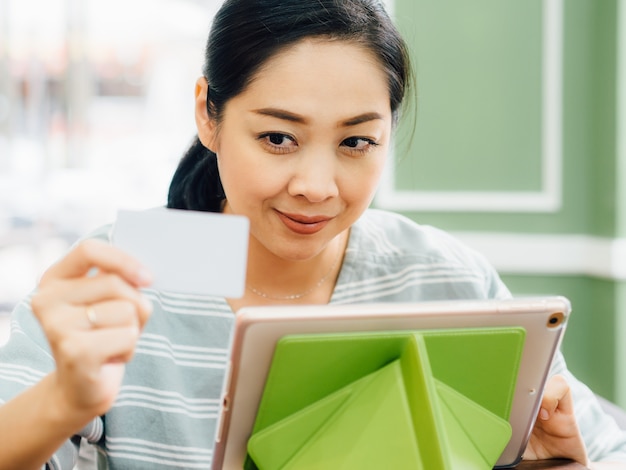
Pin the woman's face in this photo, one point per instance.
(301, 150)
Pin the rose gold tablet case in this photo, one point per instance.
(257, 329)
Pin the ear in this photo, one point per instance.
(207, 128)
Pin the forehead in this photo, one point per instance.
(321, 72)
(322, 48)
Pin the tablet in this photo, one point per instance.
(529, 332)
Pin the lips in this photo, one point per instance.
(303, 224)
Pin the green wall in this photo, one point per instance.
(523, 98)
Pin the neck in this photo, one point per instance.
(272, 279)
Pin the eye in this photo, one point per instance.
(277, 142)
(359, 144)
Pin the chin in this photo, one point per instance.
(297, 250)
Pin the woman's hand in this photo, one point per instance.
(92, 312)
(556, 433)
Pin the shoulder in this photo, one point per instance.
(386, 233)
(392, 258)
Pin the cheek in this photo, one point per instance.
(359, 185)
(246, 181)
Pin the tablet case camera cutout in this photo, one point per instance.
(431, 400)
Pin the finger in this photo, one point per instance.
(61, 320)
(556, 395)
(89, 291)
(104, 287)
(94, 348)
(116, 344)
(110, 314)
(93, 253)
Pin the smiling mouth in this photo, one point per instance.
(302, 224)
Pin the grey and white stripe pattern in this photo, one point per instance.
(166, 412)
(181, 355)
(20, 374)
(390, 285)
(149, 452)
(167, 402)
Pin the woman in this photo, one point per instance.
(295, 113)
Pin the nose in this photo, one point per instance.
(315, 176)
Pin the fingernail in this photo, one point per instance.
(144, 276)
(543, 414)
(146, 303)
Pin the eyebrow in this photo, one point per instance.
(281, 114)
(361, 118)
(292, 117)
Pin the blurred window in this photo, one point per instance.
(96, 109)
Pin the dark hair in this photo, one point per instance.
(245, 35)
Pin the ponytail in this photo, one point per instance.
(196, 183)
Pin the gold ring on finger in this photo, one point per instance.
(92, 318)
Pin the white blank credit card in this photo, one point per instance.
(188, 252)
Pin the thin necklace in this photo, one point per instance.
(300, 294)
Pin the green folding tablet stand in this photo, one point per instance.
(432, 400)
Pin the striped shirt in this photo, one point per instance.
(165, 414)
